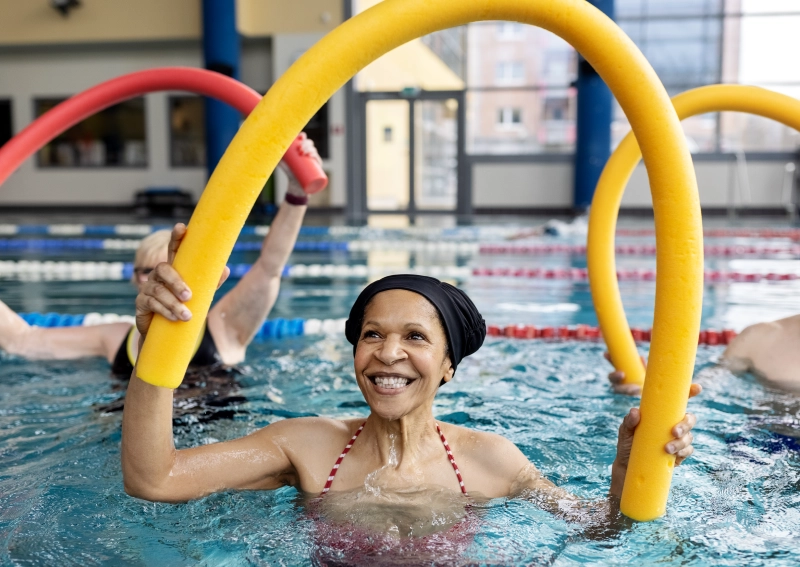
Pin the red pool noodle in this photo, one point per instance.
(93, 100)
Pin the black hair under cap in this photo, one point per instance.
(463, 325)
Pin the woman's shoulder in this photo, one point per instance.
(314, 429)
(484, 443)
(490, 460)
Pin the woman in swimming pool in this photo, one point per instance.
(409, 334)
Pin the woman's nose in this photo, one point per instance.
(391, 351)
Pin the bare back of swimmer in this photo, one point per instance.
(768, 350)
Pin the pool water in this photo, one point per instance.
(736, 501)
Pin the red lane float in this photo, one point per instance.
(79, 107)
(638, 250)
(581, 274)
(710, 337)
(791, 233)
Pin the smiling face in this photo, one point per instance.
(401, 355)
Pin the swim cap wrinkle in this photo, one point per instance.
(463, 325)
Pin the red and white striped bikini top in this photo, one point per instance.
(353, 440)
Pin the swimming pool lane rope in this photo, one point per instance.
(477, 232)
(35, 270)
(281, 328)
(435, 246)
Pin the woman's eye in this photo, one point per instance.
(417, 336)
(369, 335)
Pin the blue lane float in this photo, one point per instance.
(140, 230)
(54, 244)
(278, 328)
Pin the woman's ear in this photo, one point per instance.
(450, 372)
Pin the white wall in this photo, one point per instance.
(50, 72)
(525, 185)
(286, 48)
(549, 185)
(718, 184)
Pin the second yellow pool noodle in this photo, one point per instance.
(323, 69)
(600, 248)
(608, 197)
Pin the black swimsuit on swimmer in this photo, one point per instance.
(205, 354)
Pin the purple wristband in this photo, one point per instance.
(296, 200)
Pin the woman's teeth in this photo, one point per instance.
(390, 382)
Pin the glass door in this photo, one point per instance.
(413, 145)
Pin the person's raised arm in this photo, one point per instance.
(59, 343)
(236, 318)
(152, 468)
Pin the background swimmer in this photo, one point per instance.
(232, 322)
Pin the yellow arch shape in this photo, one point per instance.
(322, 70)
(608, 196)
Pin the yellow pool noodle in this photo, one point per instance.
(650, 436)
(323, 69)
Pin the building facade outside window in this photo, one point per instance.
(515, 73)
(114, 137)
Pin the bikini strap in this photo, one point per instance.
(341, 458)
(452, 460)
(349, 445)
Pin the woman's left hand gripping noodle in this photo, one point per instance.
(680, 446)
(165, 291)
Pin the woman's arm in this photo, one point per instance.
(153, 469)
(40, 343)
(151, 466)
(529, 483)
(236, 318)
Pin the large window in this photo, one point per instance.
(692, 43)
(519, 79)
(114, 137)
(6, 129)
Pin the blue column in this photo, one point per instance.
(221, 53)
(593, 145)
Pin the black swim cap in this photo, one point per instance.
(463, 325)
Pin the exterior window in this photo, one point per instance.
(187, 127)
(114, 137)
(508, 116)
(510, 72)
(510, 31)
(6, 130)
